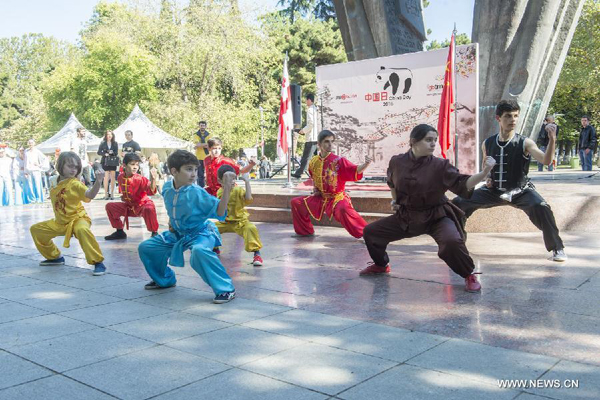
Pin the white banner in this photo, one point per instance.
(372, 105)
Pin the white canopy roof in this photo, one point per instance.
(148, 135)
(62, 139)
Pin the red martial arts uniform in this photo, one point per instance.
(135, 203)
(329, 176)
(211, 166)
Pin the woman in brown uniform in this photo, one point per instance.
(418, 182)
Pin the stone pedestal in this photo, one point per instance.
(373, 29)
(522, 47)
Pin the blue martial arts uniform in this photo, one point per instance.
(189, 208)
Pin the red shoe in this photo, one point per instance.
(373, 269)
(217, 251)
(472, 285)
(258, 261)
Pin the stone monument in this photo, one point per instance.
(522, 47)
(373, 29)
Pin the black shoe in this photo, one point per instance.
(154, 234)
(153, 285)
(116, 235)
(56, 261)
(224, 297)
(296, 176)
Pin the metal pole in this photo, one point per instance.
(455, 94)
(289, 183)
(262, 133)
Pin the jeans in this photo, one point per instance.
(201, 181)
(35, 185)
(87, 174)
(6, 191)
(541, 166)
(586, 159)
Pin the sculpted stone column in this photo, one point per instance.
(522, 48)
(372, 28)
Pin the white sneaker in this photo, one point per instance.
(559, 255)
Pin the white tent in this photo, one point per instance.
(150, 137)
(62, 139)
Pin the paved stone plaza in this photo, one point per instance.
(304, 326)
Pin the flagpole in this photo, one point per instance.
(455, 94)
(289, 183)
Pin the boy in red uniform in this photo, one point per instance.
(135, 189)
(214, 161)
(329, 173)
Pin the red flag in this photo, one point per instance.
(286, 120)
(447, 103)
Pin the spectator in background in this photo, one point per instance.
(310, 131)
(34, 166)
(154, 162)
(131, 146)
(542, 141)
(144, 167)
(96, 166)
(79, 147)
(109, 150)
(7, 172)
(587, 143)
(23, 194)
(242, 161)
(264, 168)
(202, 150)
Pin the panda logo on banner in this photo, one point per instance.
(396, 78)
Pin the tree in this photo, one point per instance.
(324, 10)
(24, 63)
(577, 91)
(308, 43)
(102, 86)
(461, 38)
(295, 8)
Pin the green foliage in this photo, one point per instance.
(295, 8)
(24, 63)
(320, 9)
(102, 86)
(309, 43)
(577, 91)
(179, 63)
(461, 38)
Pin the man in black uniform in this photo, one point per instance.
(509, 183)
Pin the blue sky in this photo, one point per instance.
(64, 19)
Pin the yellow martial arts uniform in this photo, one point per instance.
(70, 219)
(238, 221)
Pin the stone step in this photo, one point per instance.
(284, 216)
(572, 213)
(360, 203)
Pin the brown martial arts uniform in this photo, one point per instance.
(420, 186)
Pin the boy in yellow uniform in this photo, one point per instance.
(70, 218)
(237, 220)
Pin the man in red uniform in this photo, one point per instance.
(214, 161)
(329, 173)
(135, 189)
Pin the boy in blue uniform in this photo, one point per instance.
(189, 208)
